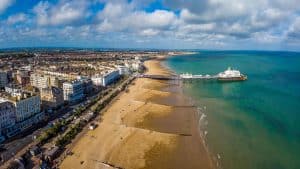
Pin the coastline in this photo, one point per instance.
(151, 126)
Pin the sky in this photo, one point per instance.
(154, 24)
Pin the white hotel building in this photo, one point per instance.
(24, 112)
(107, 78)
(73, 91)
(123, 70)
(27, 105)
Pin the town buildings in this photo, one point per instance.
(13, 89)
(23, 77)
(107, 78)
(110, 77)
(123, 70)
(22, 111)
(27, 105)
(136, 66)
(3, 79)
(40, 81)
(73, 91)
(7, 116)
(97, 80)
(52, 97)
(87, 85)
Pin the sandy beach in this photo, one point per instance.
(153, 126)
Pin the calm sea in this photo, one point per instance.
(253, 124)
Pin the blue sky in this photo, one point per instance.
(165, 24)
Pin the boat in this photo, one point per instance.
(231, 75)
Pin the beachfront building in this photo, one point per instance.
(107, 78)
(110, 77)
(27, 110)
(137, 65)
(123, 70)
(73, 91)
(3, 79)
(7, 116)
(87, 85)
(52, 97)
(97, 80)
(27, 105)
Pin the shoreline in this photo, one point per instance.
(198, 114)
(151, 126)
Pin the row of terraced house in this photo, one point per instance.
(38, 92)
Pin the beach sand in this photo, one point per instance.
(153, 126)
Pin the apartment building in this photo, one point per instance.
(27, 105)
(107, 78)
(21, 111)
(73, 91)
(23, 77)
(123, 70)
(110, 77)
(97, 80)
(52, 97)
(3, 79)
(7, 116)
(43, 81)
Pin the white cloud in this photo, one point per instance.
(196, 28)
(293, 32)
(21, 17)
(266, 37)
(156, 19)
(149, 32)
(239, 19)
(193, 22)
(267, 18)
(124, 17)
(63, 13)
(4, 4)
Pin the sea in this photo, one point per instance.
(253, 124)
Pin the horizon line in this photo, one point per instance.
(138, 48)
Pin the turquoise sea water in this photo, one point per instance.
(253, 124)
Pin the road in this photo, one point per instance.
(21, 144)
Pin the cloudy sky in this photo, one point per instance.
(181, 24)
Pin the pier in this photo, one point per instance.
(203, 77)
(159, 77)
(229, 75)
(180, 77)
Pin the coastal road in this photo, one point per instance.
(21, 144)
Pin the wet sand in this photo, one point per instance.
(153, 126)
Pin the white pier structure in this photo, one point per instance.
(204, 77)
(228, 75)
